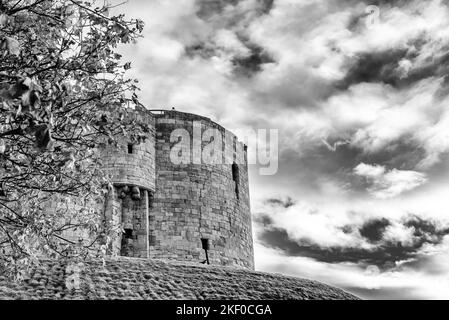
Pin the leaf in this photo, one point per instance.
(69, 160)
(32, 84)
(4, 94)
(12, 45)
(105, 11)
(30, 99)
(140, 25)
(3, 193)
(3, 19)
(43, 137)
(17, 90)
(2, 146)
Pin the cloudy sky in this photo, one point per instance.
(361, 198)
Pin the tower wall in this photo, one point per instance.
(136, 168)
(178, 204)
(198, 200)
(132, 171)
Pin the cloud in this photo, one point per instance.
(353, 235)
(267, 64)
(419, 278)
(286, 203)
(358, 109)
(388, 184)
(373, 230)
(315, 76)
(401, 234)
(436, 140)
(313, 225)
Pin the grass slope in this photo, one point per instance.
(152, 279)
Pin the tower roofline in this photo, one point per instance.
(160, 113)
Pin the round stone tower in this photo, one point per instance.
(183, 190)
(199, 196)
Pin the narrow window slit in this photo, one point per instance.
(128, 233)
(236, 178)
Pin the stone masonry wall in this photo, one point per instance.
(136, 168)
(134, 215)
(164, 208)
(132, 168)
(194, 201)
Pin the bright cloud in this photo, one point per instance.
(389, 184)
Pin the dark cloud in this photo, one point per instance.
(207, 8)
(373, 230)
(210, 8)
(384, 255)
(252, 63)
(317, 164)
(403, 154)
(332, 162)
(374, 67)
(266, 6)
(380, 3)
(321, 164)
(384, 67)
(263, 220)
(202, 50)
(425, 230)
(246, 65)
(285, 203)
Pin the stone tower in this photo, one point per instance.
(167, 198)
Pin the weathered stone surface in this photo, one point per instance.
(187, 201)
(136, 168)
(194, 201)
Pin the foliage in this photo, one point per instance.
(62, 91)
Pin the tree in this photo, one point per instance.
(62, 91)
